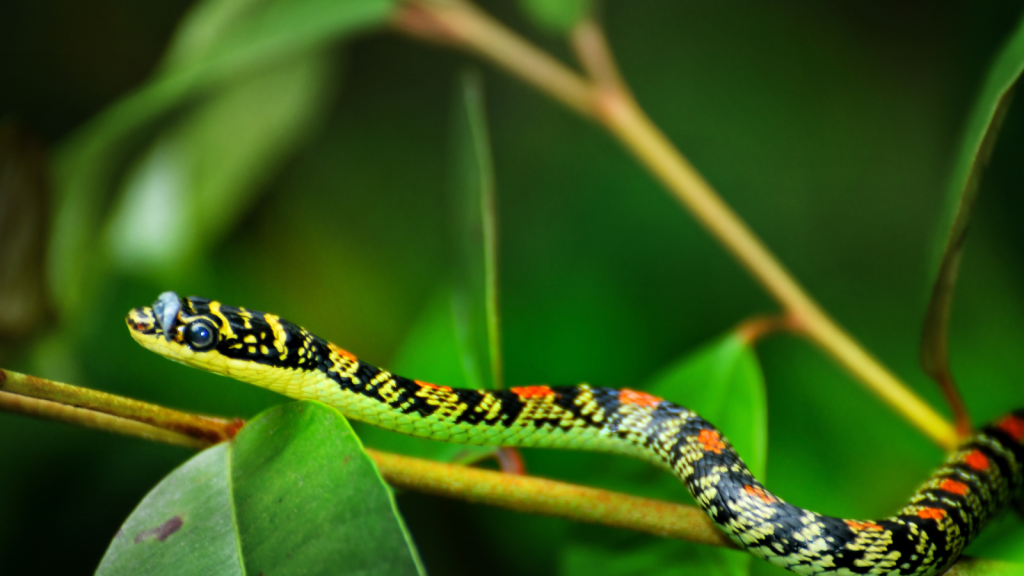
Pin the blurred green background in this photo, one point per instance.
(830, 128)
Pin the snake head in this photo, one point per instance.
(175, 327)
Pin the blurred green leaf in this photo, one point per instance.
(294, 493)
(224, 43)
(976, 145)
(201, 175)
(556, 15)
(475, 287)
(723, 383)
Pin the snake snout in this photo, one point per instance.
(142, 320)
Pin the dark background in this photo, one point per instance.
(831, 128)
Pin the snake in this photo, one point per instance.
(977, 481)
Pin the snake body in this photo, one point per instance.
(978, 480)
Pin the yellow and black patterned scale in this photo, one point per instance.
(928, 534)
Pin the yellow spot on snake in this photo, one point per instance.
(246, 316)
(280, 337)
(225, 329)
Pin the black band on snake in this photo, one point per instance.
(977, 481)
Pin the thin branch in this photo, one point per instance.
(935, 338)
(510, 461)
(550, 498)
(753, 329)
(596, 57)
(463, 25)
(209, 429)
(48, 410)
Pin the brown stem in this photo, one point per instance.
(550, 498)
(596, 57)
(206, 428)
(753, 329)
(48, 410)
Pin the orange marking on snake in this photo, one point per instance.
(527, 392)
(931, 513)
(976, 460)
(627, 396)
(1013, 426)
(857, 525)
(342, 352)
(953, 487)
(711, 441)
(433, 386)
(760, 493)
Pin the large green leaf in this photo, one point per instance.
(475, 292)
(723, 383)
(976, 145)
(222, 42)
(183, 526)
(294, 493)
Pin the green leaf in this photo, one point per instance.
(475, 291)
(294, 493)
(976, 145)
(201, 175)
(556, 15)
(723, 383)
(309, 501)
(183, 526)
(226, 40)
(431, 353)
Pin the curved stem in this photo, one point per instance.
(607, 101)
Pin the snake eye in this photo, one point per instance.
(201, 335)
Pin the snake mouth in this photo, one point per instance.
(143, 321)
(159, 319)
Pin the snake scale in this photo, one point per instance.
(978, 480)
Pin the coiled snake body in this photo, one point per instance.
(927, 535)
